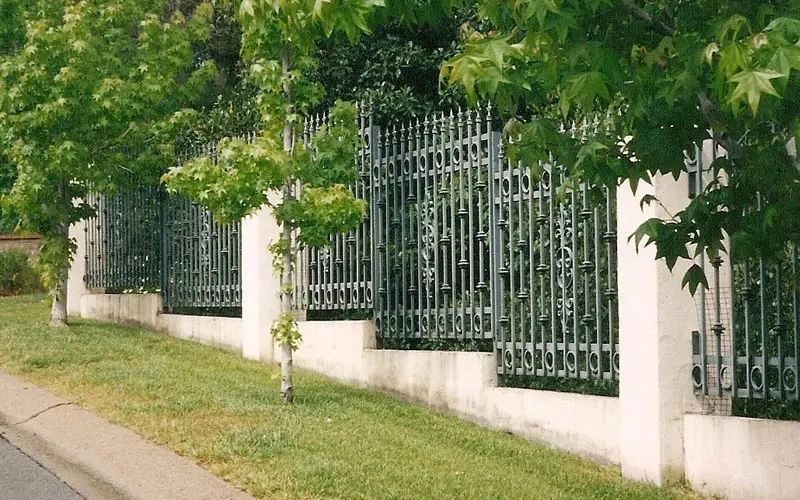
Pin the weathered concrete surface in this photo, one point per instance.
(113, 456)
(743, 458)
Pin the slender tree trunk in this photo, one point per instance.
(58, 310)
(287, 387)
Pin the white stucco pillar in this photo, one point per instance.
(260, 285)
(76, 286)
(656, 320)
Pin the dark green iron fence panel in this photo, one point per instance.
(123, 251)
(431, 228)
(203, 259)
(338, 277)
(748, 342)
(144, 240)
(556, 301)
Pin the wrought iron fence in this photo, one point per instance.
(123, 250)
(338, 277)
(144, 240)
(747, 346)
(555, 260)
(462, 247)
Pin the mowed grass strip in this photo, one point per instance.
(222, 411)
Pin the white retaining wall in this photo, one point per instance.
(743, 458)
(464, 383)
(146, 311)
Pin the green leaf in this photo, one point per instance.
(753, 83)
(694, 277)
(585, 87)
(785, 59)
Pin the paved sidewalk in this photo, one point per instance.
(96, 458)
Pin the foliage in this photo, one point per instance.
(279, 39)
(17, 275)
(94, 94)
(8, 217)
(285, 331)
(395, 69)
(246, 173)
(682, 72)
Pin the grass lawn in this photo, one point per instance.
(223, 411)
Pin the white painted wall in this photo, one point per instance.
(145, 310)
(463, 383)
(743, 458)
(655, 324)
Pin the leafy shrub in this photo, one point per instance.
(17, 274)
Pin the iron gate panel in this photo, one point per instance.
(747, 346)
(555, 259)
(123, 251)
(430, 227)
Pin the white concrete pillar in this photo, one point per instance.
(656, 320)
(76, 286)
(260, 285)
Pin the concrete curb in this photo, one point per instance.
(97, 458)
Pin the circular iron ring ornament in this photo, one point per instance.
(459, 323)
(756, 378)
(549, 360)
(477, 323)
(475, 150)
(528, 359)
(697, 376)
(569, 361)
(615, 362)
(725, 378)
(789, 378)
(506, 186)
(508, 360)
(526, 182)
(594, 362)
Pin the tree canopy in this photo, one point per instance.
(678, 72)
(90, 97)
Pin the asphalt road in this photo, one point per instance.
(21, 478)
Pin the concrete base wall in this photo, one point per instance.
(146, 311)
(743, 458)
(463, 383)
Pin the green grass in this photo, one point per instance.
(222, 411)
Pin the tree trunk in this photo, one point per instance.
(58, 292)
(58, 311)
(287, 387)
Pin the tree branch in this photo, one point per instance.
(644, 16)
